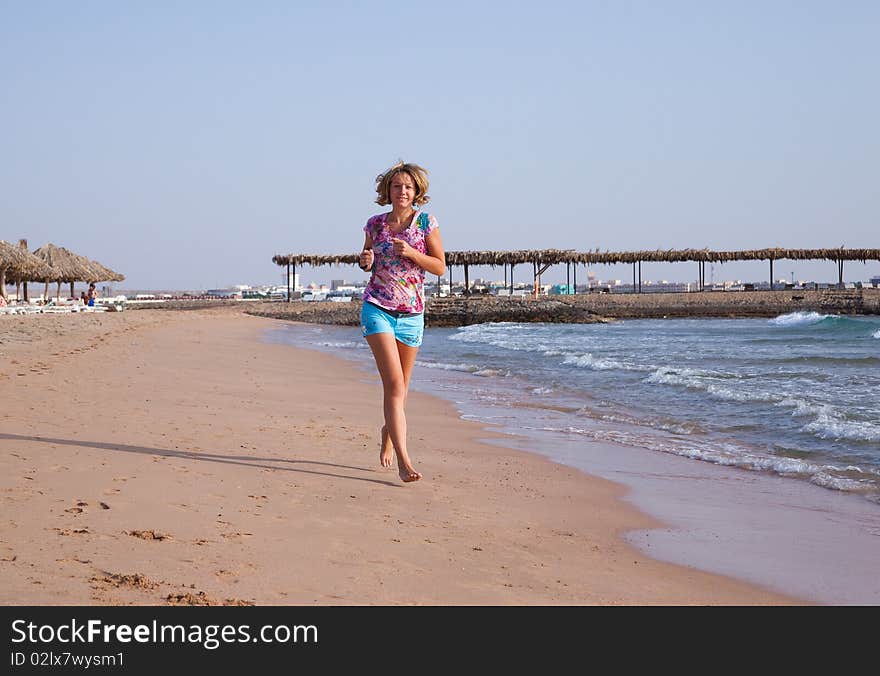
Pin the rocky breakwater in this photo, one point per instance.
(440, 311)
(594, 308)
(482, 309)
(311, 312)
(730, 303)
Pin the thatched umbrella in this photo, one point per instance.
(20, 264)
(11, 257)
(68, 266)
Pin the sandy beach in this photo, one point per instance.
(160, 457)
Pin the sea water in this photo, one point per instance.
(797, 396)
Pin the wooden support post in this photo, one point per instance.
(467, 287)
(634, 277)
(574, 288)
(538, 272)
(511, 278)
(505, 275)
(640, 276)
(439, 288)
(771, 274)
(567, 277)
(288, 281)
(71, 289)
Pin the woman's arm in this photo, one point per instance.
(365, 262)
(434, 261)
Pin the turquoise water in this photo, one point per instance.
(798, 395)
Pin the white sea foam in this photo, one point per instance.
(489, 373)
(542, 390)
(803, 408)
(730, 455)
(798, 319)
(876, 334)
(716, 383)
(465, 368)
(597, 363)
(348, 344)
(829, 424)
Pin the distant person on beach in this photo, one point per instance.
(83, 298)
(399, 247)
(93, 295)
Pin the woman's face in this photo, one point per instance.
(403, 190)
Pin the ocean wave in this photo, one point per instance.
(829, 422)
(465, 368)
(876, 334)
(830, 425)
(839, 483)
(803, 408)
(666, 424)
(473, 369)
(489, 373)
(826, 322)
(825, 360)
(712, 382)
(508, 336)
(799, 319)
(731, 455)
(598, 363)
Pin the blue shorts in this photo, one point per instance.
(406, 328)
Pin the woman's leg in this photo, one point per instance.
(407, 356)
(388, 361)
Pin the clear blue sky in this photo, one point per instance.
(185, 143)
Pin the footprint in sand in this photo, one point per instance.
(118, 580)
(74, 531)
(202, 599)
(148, 535)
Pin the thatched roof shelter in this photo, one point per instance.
(19, 264)
(49, 263)
(10, 255)
(541, 259)
(68, 266)
(556, 256)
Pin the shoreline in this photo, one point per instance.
(777, 532)
(235, 471)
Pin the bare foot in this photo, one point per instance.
(408, 475)
(405, 469)
(386, 450)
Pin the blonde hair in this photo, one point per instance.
(418, 174)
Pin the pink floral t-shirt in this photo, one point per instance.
(397, 283)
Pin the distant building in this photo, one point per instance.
(223, 293)
(294, 281)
